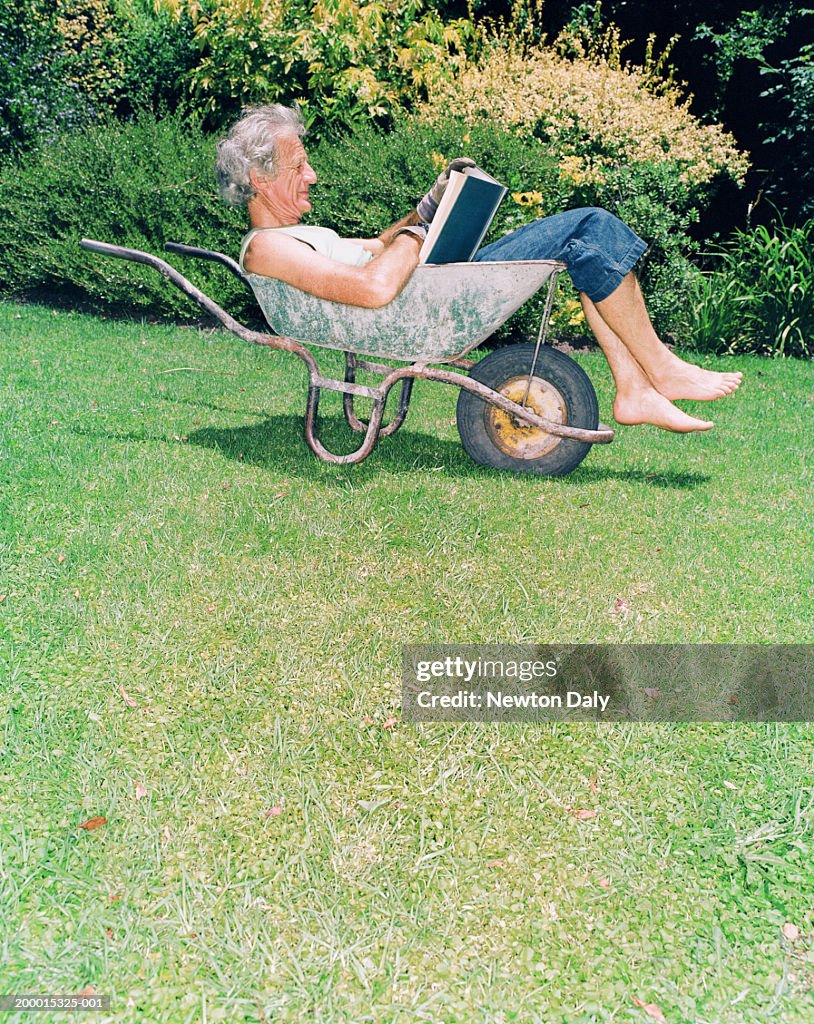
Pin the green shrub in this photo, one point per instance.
(345, 60)
(150, 181)
(660, 205)
(125, 55)
(158, 51)
(67, 63)
(761, 297)
(368, 178)
(37, 101)
(138, 184)
(91, 46)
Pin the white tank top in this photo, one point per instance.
(322, 240)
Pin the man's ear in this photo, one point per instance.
(257, 180)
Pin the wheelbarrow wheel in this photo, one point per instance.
(560, 390)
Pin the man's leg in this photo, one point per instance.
(625, 313)
(637, 401)
(600, 251)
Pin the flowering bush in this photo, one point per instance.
(593, 114)
(621, 137)
(346, 60)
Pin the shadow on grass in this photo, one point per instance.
(278, 443)
(674, 481)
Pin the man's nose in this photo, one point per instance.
(310, 174)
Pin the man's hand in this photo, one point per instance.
(429, 204)
(418, 231)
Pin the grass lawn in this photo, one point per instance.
(201, 629)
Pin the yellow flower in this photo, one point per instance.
(528, 198)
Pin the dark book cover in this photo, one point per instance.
(463, 217)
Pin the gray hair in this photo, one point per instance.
(251, 145)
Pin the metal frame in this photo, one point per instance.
(348, 387)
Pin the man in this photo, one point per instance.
(263, 164)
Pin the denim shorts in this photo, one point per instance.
(597, 248)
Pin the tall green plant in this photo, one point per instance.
(761, 299)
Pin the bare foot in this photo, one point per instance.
(648, 406)
(684, 380)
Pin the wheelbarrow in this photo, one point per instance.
(524, 407)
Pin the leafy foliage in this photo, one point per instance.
(345, 60)
(656, 201)
(746, 37)
(761, 299)
(770, 41)
(150, 181)
(125, 54)
(722, 49)
(157, 52)
(792, 135)
(370, 177)
(65, 64)
(623, 138)
(593, 114)
(91, 43)
(37, 99)
(137, 184)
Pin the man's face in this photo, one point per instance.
(286, 196)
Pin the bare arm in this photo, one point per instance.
(378, 244)
(274, 254)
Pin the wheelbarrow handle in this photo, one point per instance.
(171, 274)
(207, 254)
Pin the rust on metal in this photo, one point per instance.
(353, 421)
(513, 436)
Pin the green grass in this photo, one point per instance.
(169, 542)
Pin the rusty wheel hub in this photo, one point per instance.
(514, 437)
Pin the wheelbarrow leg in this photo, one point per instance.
(372, 430)
(347, 401)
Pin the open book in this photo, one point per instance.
(463, 217)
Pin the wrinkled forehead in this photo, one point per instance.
(291, 153)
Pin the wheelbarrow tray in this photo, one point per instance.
(443, 313)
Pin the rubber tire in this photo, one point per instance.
(561, 372)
